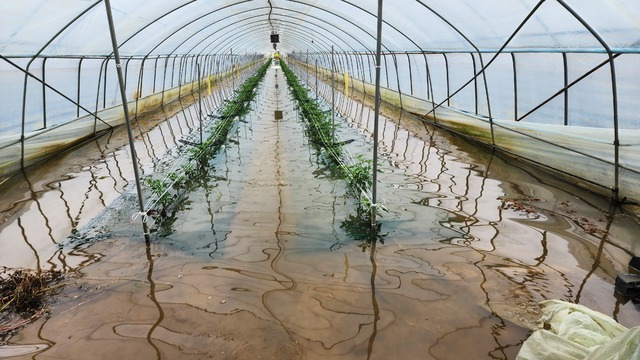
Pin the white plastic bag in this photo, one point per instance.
(574, 332)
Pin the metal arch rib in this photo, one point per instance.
(225, 43)
(248, 18)
(385, 22)
(233, 42)
(337, 37)
(191, 21)
(256, 28)
(335, 15)
(311, 23)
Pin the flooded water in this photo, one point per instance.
(260, 261)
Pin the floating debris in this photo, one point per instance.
(24, 291)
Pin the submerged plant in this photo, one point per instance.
(192, 173)
(319, 127)
(321, 134)
(365, 207)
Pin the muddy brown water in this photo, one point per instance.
(259, 262)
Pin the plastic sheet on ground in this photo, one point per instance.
(574, 332)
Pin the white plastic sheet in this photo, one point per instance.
(27, 25)
(574, 332)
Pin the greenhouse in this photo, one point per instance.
(304, 179)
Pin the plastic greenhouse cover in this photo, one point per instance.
(430, 54)
(170, 26)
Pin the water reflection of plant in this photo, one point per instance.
(358, 227)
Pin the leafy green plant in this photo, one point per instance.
(160, 189)
(365, 205)
(240, 104)
(358, 176)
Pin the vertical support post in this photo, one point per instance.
(446, 66)
(233, 73)
(395, 65)
(104, 85)
(430, 88)
(333, 95)
(155, 74)
(125, 107)
(138, 93)
(515, 87)
(616, 130)
(376, 117)
(307, 66)
(200, 100)
(44, 94)
(614, 94)
(566, 90)
(78, 94)
(410, 74)
(386, 69)
(316, 79)
(126, 71)
(164, 80)
(95, 116)
(475, 82)
(180, 64)
(173, 69)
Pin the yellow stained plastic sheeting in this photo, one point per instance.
(574, 332)
(535, 142)
(42, 144)
(346, 83)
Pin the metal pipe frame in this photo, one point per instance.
(44, 93)
(614, 93)
(123, 94)
(78, 87)
(27, 75)
(515, 87)
(374, 186)
(187, 70)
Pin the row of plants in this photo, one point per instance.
(321, 134)
(168, 191)
(320, 129)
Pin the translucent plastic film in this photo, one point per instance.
(79, 27)
(545, 79)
